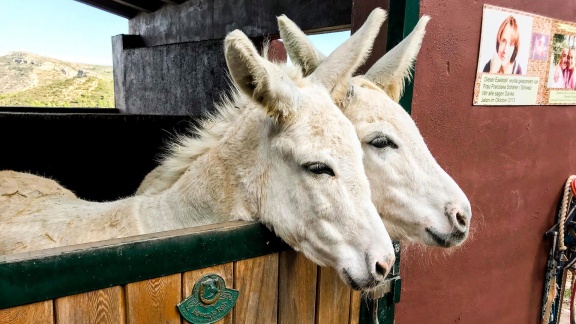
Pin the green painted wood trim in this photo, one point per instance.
(385, 306)
(35, 276)
(396, 291)
(382, 308)
(403, 17)
(395, 23)
(411, 17)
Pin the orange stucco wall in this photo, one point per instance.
(512, 163)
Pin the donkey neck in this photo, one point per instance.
(222, 183)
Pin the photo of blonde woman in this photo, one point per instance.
(505, 43)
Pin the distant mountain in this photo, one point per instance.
(36, 81)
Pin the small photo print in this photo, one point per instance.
(561, 74)
(505, 42)
(539, 50)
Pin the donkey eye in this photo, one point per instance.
(319, 168)
(382, 142)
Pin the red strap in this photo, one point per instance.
(573, 186)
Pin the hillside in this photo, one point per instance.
(36, 81)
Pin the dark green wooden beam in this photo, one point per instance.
(31, 277)
(411, 17)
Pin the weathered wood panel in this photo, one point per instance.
(297, 289)
(154, 300)
(100, 306)
(333, 298)
(37, 313)
(179, 79)
(285, 288)
(257, 281)
(197, 20)
(226, 271)
(355, 300)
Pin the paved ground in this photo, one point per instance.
(565, 316)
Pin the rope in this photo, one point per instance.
(564, 210)
(552, 285)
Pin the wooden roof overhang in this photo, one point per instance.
(129, 8)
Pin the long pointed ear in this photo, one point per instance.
(392, 70)
(335, 72)
(298, 46)
(257, 78)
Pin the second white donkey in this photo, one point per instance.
(416, 199)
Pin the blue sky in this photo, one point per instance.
(62, 29)
(326, 43)
(73, 31)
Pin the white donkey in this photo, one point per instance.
(417, 200)
(414, 196)
(282, 153)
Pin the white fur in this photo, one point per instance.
(415, 197)
(248, 163)
(392, 70)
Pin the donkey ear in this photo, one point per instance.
(257, 78)
(392, 70)
(299, 48)
(335, 72)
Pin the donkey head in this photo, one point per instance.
(307, 174)
(417, 200)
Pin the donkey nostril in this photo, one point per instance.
(461, 219)
(381, 268)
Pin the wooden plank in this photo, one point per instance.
(257, 281)
(154, 300)
(203, 74)
(99, 306)
(204, 20)
(333, 298)
(297, 288)
(226, 271)
(36, 313)
(355, 301)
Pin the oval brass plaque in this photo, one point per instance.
(210, 300)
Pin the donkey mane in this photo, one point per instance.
(200, 138)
